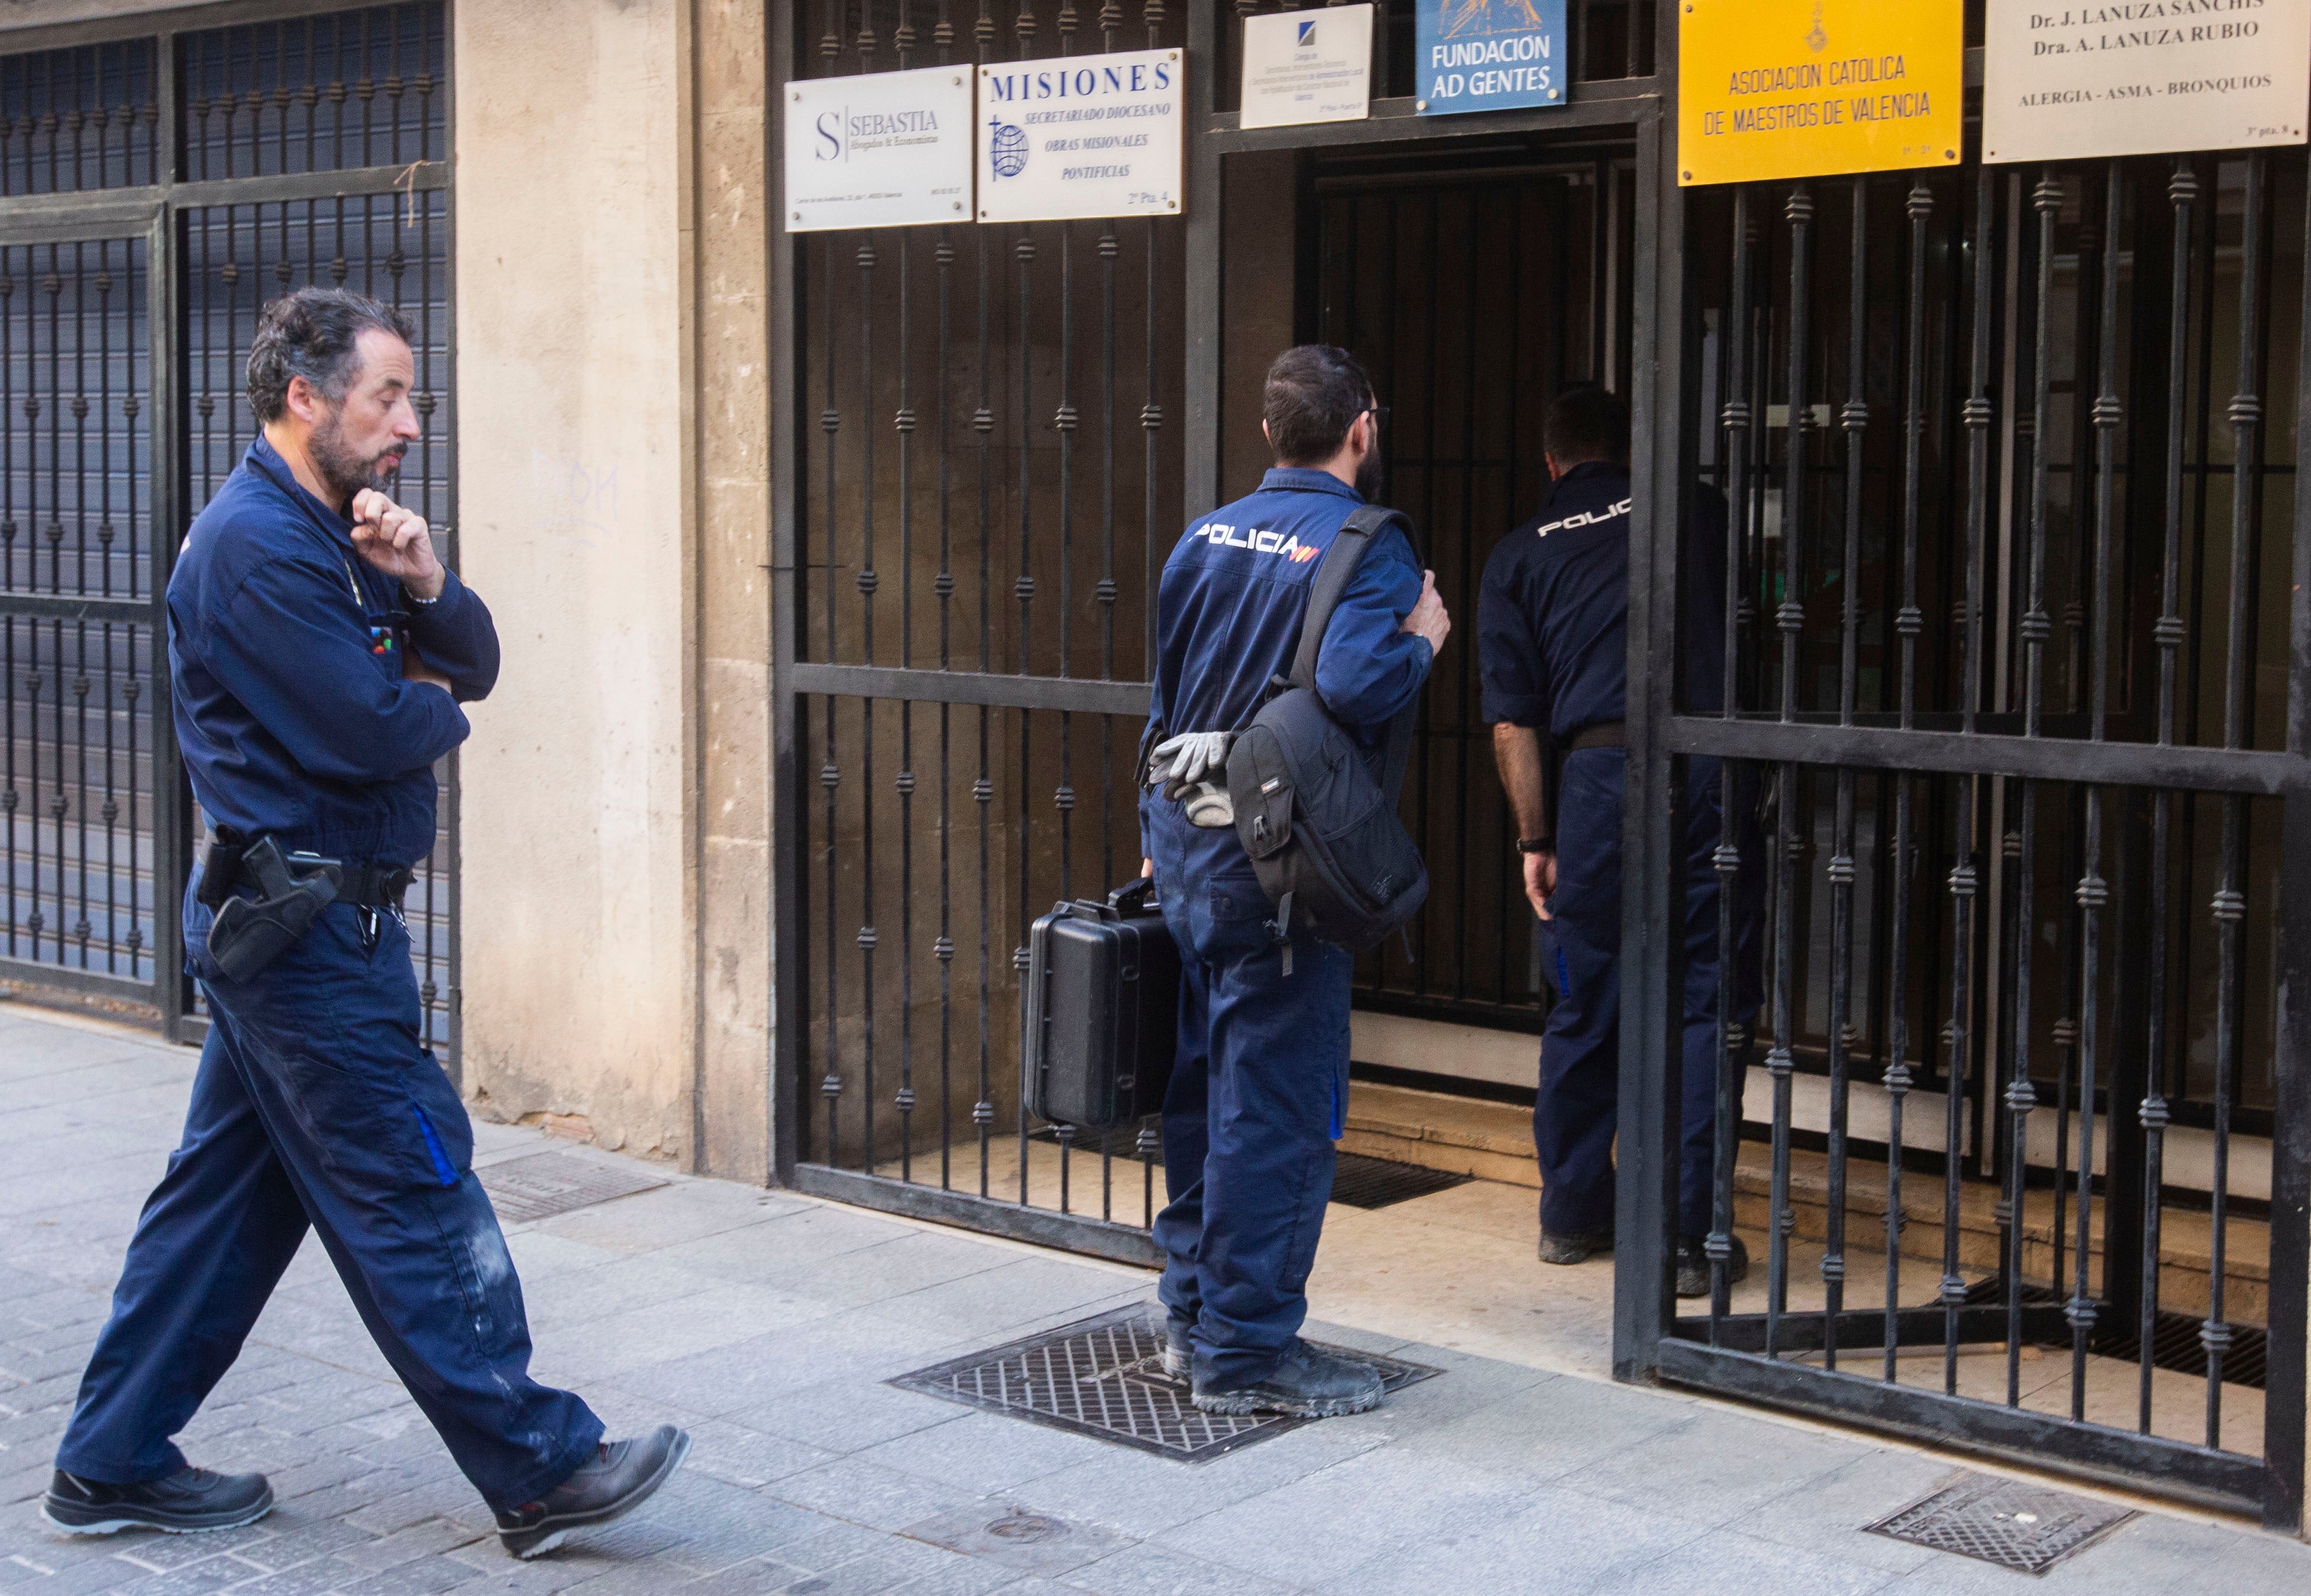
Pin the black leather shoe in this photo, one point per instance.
(1574, 1246)
(1693, 1265)
(1307, 1384)
(620, 1477)
(1178, 1353)
(190, 1502)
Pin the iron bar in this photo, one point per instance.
(2093, 891)
(2182, 191)
(1728, 857)
(942, 586)
(1908, 623)
(1964, 878)
(1790, 620)
(2229, 905)
(983, 788)
(1855, 419)
(2181, 768)
(903, 423)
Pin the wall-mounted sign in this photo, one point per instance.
(1307, 66)
(2063, 82)
(889, 148)
(1807, 88)
(1488, 56)
(1085, 136)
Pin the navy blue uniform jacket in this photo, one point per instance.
(291, 709)
(1552, 614)
(1227, 620)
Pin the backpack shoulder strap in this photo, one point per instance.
(1341, 560)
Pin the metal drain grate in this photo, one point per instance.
(1376, 1182)
(543, 1185)
(1105, 1378)
(1358, 1181)
(2174, 1343)
(2006, 1521)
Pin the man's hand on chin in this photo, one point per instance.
(397, 543)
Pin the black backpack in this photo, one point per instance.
(1316, 809)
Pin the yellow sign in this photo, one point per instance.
(1807, 88)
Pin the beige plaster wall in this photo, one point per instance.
(733, 549)
(575, 497)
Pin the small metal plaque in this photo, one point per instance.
(1105, 1378)
(2011, 1523)
(543, 1185)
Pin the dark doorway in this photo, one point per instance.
(1475, 285)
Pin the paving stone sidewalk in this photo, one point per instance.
(766, 1323)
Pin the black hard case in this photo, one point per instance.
(1102, 1010)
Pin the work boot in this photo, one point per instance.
(1693, 1265)
(190, 1502)
(1574, 1246)
(1308, 1384)
(1178, 1353)
(620, 1477)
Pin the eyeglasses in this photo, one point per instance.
(1379, 413)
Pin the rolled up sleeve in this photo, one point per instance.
(1509, 663)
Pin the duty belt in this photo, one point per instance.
(1603, 734)
(363, 885)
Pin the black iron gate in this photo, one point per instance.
(997, 433)
(2021, 679)
(161, 178)
(2016, 645)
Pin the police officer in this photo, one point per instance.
(1553, 645)
(319, 653)
(1260, 1090)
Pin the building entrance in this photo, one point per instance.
(2012, 645)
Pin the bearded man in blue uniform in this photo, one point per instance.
(1260, 1090)
(318, 654)
(1553, 617)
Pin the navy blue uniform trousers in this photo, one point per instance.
(1258, 1095)
(1575, 1116)
(317, 1103)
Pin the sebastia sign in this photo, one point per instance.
(1082, 136)
(888, 149)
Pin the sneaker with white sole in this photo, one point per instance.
(620, 1477)
(190, 1502)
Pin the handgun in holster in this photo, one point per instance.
(249, 934)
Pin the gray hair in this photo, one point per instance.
(312, 333)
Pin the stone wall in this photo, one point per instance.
(615, 439)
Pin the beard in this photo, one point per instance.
(345, 470)
(1371, 477)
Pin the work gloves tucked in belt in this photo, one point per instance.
(1191, 768)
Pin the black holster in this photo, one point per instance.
(249, 934)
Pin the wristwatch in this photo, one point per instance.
(1536, 844)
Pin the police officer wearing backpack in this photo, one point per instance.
(1260, 1090)
(1553, 652)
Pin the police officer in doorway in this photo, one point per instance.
(1260, 1090)
(1553, 645)
(319, 653)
